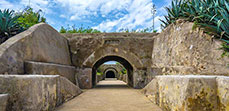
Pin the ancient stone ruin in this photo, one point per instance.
(179, 69)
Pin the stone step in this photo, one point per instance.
(42, 68)
(37, 92)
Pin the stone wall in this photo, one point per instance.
(3, 101)
(40, 43)
(86, 49)
(189, 93)
(181, 50)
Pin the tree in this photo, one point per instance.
(29, 17)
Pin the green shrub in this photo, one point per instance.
(81, 29)
(29, 18)
(211, 15)
(9, 25)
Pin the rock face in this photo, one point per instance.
(51, 69)
(189, 93)
(39, 43)
(3, 101)
(36, 92)
(181, 50)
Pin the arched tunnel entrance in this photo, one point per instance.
(111, 74)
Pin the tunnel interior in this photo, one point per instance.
(118, 59)
(110, 74)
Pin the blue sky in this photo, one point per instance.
(104, 15)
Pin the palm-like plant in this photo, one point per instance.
(212, 15)
(8, 24)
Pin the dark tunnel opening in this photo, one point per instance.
(110, 74)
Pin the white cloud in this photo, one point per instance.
(44, 5)
(78, 8)
(139, 14)
(7, 5)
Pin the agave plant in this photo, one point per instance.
(8, 24)
(212, 15)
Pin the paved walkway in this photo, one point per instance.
(110, 95)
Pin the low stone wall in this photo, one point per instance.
(51, 69)
(124, 78)
(66, 90)
(189, 93)
(3, 101)
(36, 92)
(84, 76)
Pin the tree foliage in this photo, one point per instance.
(28, 17)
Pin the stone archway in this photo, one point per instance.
(111, 69)
(121, 60)
(107, 48)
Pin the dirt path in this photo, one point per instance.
(110, 96)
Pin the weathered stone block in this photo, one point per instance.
(66, 90)
(51, 69)
(29, 92)
(184, 93)
(39, 43)
(223, 93)
(84, 76)
(3, 101)
(37, 92)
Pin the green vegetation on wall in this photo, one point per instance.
(99, 71)
(74, 29)
(211, 15)
(81, 29)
